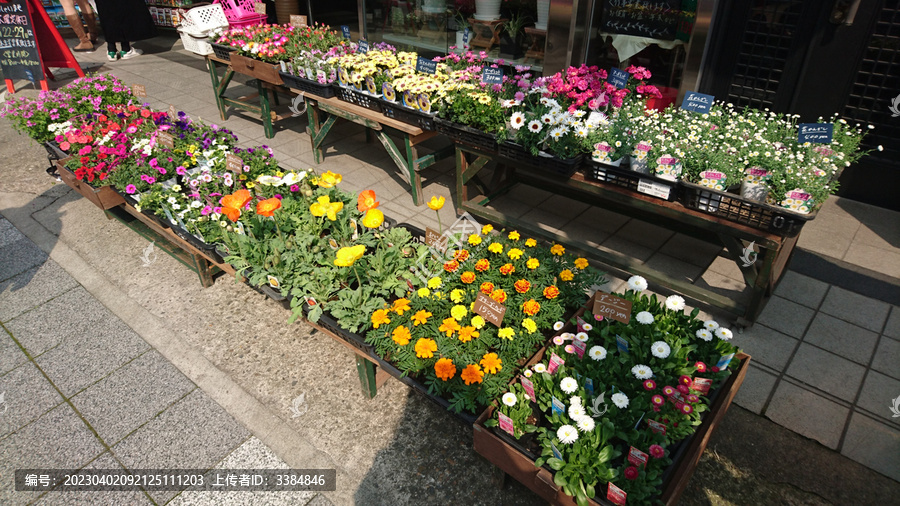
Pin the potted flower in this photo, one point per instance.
(512, 35)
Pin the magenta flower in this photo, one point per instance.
(180, 170)
(295, 188)
(686, 409)
(669, 390)
(631, 472)
(649, 384)
(130, 189)
(683, 389)
(685, 380)
(658, 400)
(206, 210)
(701, 367)
(657, 451)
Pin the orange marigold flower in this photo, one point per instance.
(425, 347)
(467, 333)
(491, 363)
(421, 317)
(445, 369)
(557, 249)
(401, 335)
(366, 201)
(267, 207)
(507, 269)
(499, 295)
(482, 265)
(581, 263)
(566, 275)
(487, 288)
(451, 266)
(531, 307)
(400, 305)
(467, 277)
(380, 317)
(472, 374)
(461, 255)
(449, 326)
(551, 292)
(522, 285)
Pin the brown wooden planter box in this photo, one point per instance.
(511, 461)
(255, 68)
(104, 197)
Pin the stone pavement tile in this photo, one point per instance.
(785, 316)
(756, 388)
(31, 288)
(57, 440)
(892, 329)
(826, 371)
(83, 359)
(194, 433)
(545, 220)
(841, 338)
(508, 206)
(11, 355)
(874, 445)
(19, 256)
(723, 285)
(131, 396)
(634, 252)
(854, 308)
(27, 395)
(802, 289)
(676, 269)
(91, 498)
(564, 206)
(887, 357)
(879, 230)
(879, 260)
(690, 250)
(528, 194)
(877, 396)
(808, 414)
(725, 266)
(72, 313)
(585, 233)
(830, 235)
(602, 219)
(9, 234)
(645, 234)
(767, 346)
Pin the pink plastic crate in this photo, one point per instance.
(241, 13)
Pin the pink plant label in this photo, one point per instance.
(602, 146)
(616, 495)
(701, 385)
(580, 347)
(798, 195)
(529, 387)
(757, 171)
(667, 160)
(506, 424)
(555, 362)
(637, 457)
(711, 174)
(581, 323)
(659, 428)
(643, 146)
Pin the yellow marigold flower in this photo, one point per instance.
(495, 247)
(467, 333)
(458, 312)
(449, 326)
(400, 305)
(566, 275)
(436, 203)
(472, 374)
(491, 363)
(482, 265)
(532, 263)
(487, 229)
(444, 369)
(347, 256)
(421, 317)
(557, 249)
(425, 348)
(435, 283)
(581, 263)
(506, 333)
(529, 325)
(514, 236)
(380, 317)
(423, 292)
(515, 253)
(477, 321)
(522, 285)
(467, 277)
(507, 269)
(457, 295)
(531, 307)
(499, 295)
(551, 292)
(530, 243)
(474, 239)
(401, 335)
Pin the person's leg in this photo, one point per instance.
(74, 19)
(111, 51)
(128, 52)
(87, 12)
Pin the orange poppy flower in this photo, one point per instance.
(366, 201)
(267, 207)
(232, 204)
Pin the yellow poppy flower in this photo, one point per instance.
(347, 256)
(436, 203)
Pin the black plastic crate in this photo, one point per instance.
(634, 181)
(394, 110)
(468, 136)
(542, 163)
(222, 51)
(193, 240)
(357, 97)
(303, 84)
(732, 207)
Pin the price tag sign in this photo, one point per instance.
(616, 495)
(20, 58)
(819, 133)
(346, 31)
(363, 46)
(506, 424)
(637, 457)
(618, 78)
(657, 427)
(489, 309)
(610, 306)
(298, 21)
(259, 7)
(172, 112)
(650, 187)
(166, 140)
(436, 240)
(139, 90)
(701, 385)
(697, 102)
(234, 163)
(491, 75)
(426, 66)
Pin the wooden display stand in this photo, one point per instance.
(267, 81)
(538, 41)
(487, 33)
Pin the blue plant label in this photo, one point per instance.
(621, 344)
(346, 31)
(589, 386)
(724, 360)
(491, 75)
(363, 46)
(638, 424)
(558, 406)
(618, 77)
(466, 36)
(820, 133)
(697, 102)
(426, 66)
(556, 453)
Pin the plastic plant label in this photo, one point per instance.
(466, 36)
(556, 453)
(555, 362)
(618, 77)
(491, 75)
(589, 386)
(345, 30)
(558, 406)
(506, 424)
(363, 46)
(616, 495)
(172, 112)
(580, 347)
(426, 66)
(622, 344)
(637, 457)
(435, 239)
(580, 322)
(820, 133)
(489, 309)
(697, 102)
(724, 360)
(166, 140)
(659, 428)
(701, 385)
(234, 163)
(529, 387)
(139, 90)
(649, 187)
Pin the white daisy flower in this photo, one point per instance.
(578, 113)
(675, 302)
(704, 334)
(710, 325)
(724, 334)
(576, 411)
(645, 318)
(575, 400)
(597, 352)
(528, 373)
(568, 385)
(535, 126)
(517, 120)
(509, 399)
(557, 133)
(540, 368)
(642, 372)
(548, 119)
(637, 283)
(581, 336)
(620, 400)
(567, 434)
(585, 424)
(558, 325)
(587, 327)
(660, 349)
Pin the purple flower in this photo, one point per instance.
(130, 189)
(519, 96)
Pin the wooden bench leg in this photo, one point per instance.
(366, 371)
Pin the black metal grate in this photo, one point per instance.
(877, 85)
(763, 52)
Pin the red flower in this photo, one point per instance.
(657, 451)
(649, 384)
(701, 367)
(685, 380)
(631, 472)
(451, 266)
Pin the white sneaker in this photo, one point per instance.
(112, 56)
(130, 54)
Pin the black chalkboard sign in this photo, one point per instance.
(655, 19)
(19, 56)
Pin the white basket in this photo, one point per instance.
(194, 43)
(204, 19)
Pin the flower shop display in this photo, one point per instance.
(610, 402)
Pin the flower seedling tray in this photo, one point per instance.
(193, 240)
(357, 97)
(104, 197)
(261, 70)
(733, 207)
(631, 180)
(544, 163)
(468, 136)
(395, 110)
(307, 86)
(513, 461)
(222, 51)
